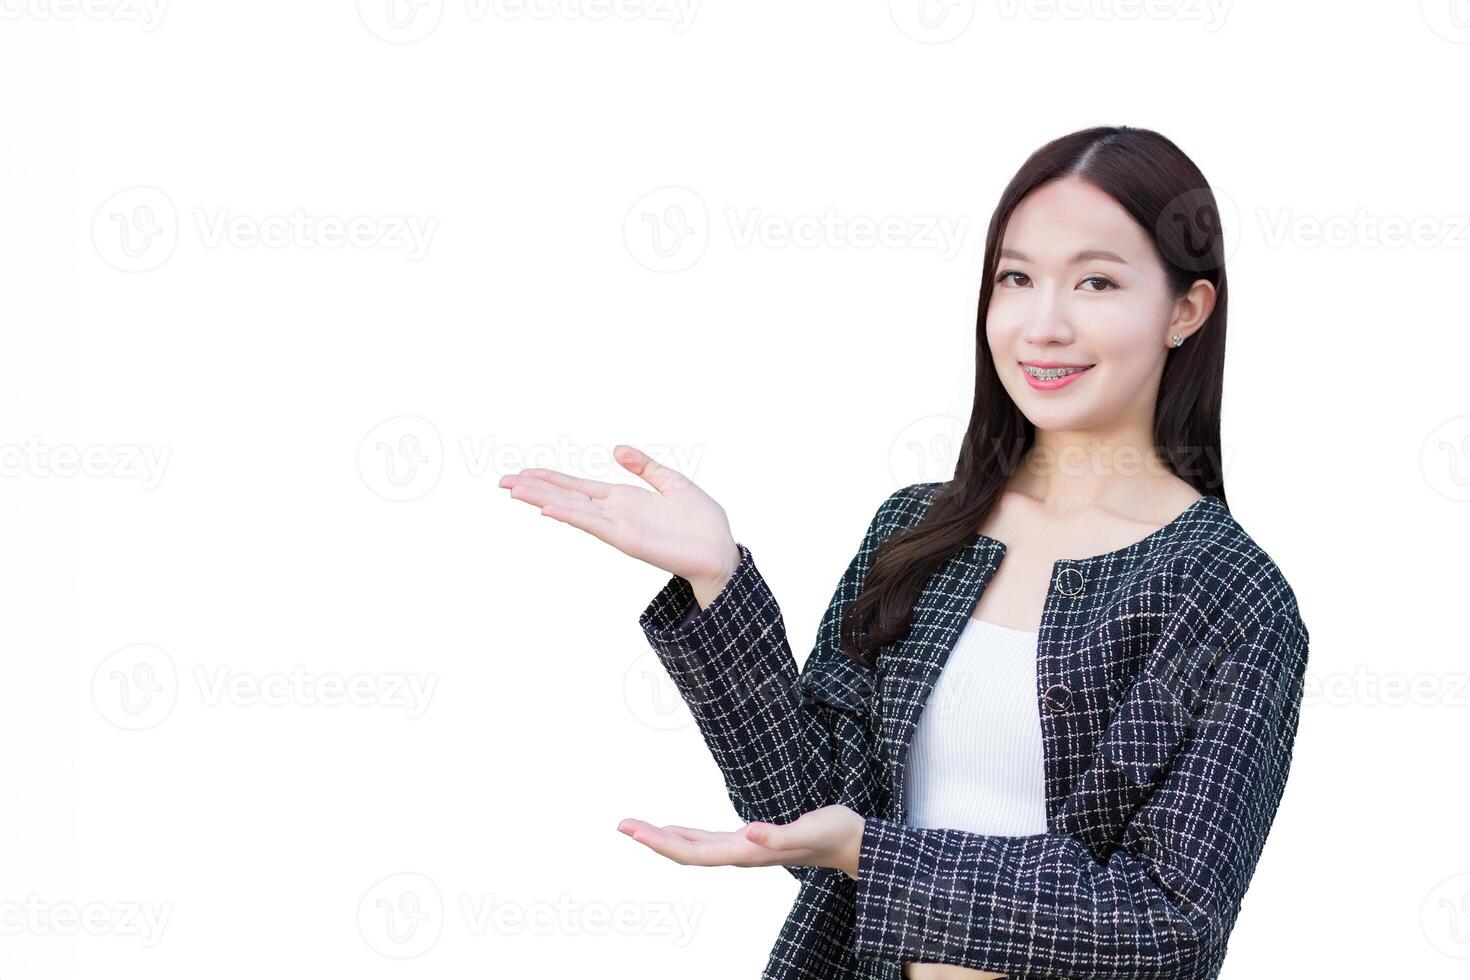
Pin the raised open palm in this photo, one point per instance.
(675, 526)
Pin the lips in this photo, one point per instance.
(1048, 378)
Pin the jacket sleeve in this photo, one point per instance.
(785, 743)
(1163, 903)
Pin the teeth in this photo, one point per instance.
(1047, 374)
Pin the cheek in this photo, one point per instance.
(1002, 326)
(1120, 333)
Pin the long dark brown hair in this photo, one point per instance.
(1167, 195)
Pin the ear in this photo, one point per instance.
(1192, 309)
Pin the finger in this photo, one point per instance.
(592, 489)
(667, 843)
(725, 848)
(594, 524)
(567, 506)
(768, 835)
(631, 826)
(689, 833)
(779, 844)
(662, 478)
(535, 490)
(708, 850)
(795, 838)
(640, 830)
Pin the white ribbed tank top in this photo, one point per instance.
(976, 762)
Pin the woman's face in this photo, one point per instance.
(1078, 283)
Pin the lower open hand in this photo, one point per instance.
(828, 837)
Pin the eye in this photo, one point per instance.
(1000, 279)
(1107, 284)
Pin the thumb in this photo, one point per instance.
(654, 473)
(762, 833)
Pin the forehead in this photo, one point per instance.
(1066, 215)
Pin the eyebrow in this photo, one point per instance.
(1091, 254)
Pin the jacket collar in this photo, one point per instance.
(908, 669)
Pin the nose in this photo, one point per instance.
(1046, 322)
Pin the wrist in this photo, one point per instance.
(706, 589)
(853, 851)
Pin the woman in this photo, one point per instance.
(1000, 759)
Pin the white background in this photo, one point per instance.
(236, 384)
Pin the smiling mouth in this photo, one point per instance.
(1051, 374)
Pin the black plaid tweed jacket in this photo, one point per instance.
(1169, 678)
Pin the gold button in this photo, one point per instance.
(1069, 581)
(1057, 698)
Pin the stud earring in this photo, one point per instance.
(1178, 340)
